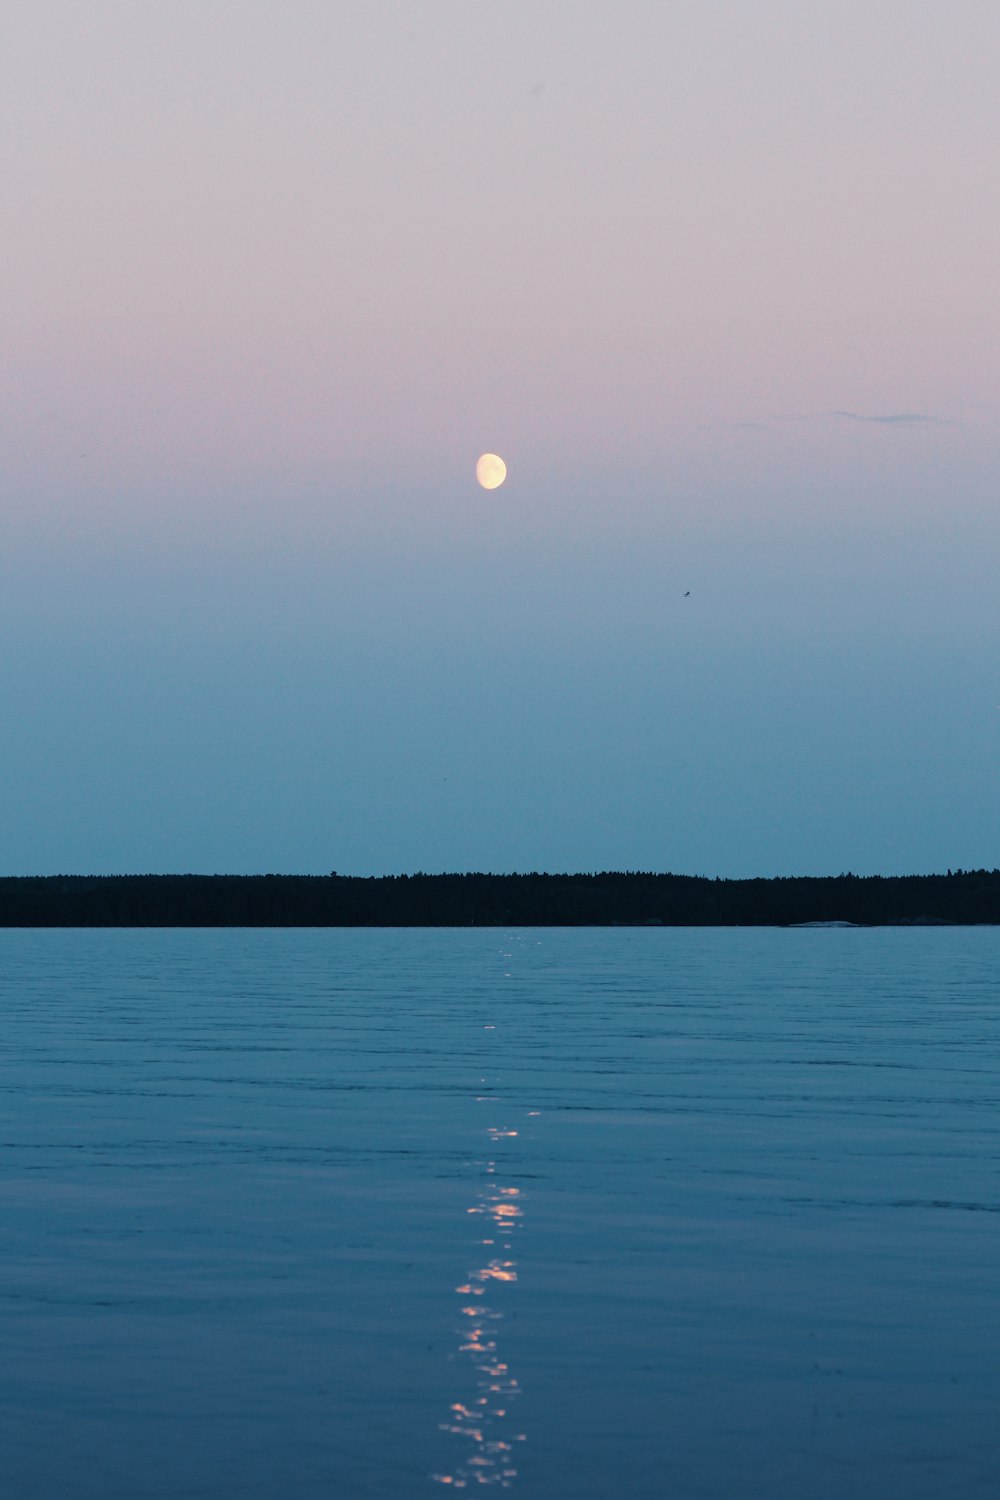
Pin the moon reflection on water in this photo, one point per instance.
(484, 1420)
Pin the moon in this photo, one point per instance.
(491, 471)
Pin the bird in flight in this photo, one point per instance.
(687, 593)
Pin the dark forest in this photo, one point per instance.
(477, 900)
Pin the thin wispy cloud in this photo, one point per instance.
(893, 418)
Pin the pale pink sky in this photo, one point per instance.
(311, 242)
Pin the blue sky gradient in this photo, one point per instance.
(718, 282)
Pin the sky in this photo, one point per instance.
(717, 280)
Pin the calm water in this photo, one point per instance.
(573, 1214)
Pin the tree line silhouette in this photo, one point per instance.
(610, 898)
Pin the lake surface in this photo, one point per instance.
(569, 1213)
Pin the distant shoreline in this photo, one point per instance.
(608, 899)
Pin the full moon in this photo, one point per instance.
(491, 471)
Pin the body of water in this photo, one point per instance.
(570, 1213)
